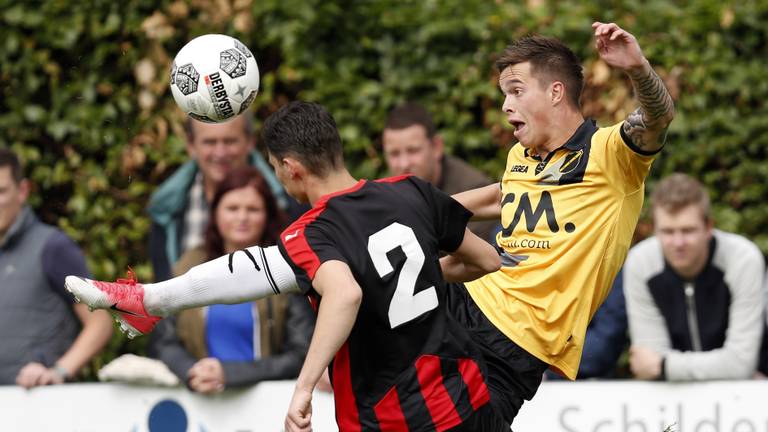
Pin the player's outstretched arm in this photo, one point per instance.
(474, 258)
(647, 125)
(484, 202)
(335, 318)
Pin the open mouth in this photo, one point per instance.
(518, 125)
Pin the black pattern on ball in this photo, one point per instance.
(247, 102)
(186, 79)
(202, 118)
(243, 49)
(173, 74)
(232, 62)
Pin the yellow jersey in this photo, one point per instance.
(567, 223)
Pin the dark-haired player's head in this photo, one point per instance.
(302, 139)
(411, 143)
(538, 76)
(550, 60)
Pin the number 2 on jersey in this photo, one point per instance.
(405, 305)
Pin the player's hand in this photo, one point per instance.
(644, 363)
(35, 374)
(618, 47)
(299, 417)
(207, 376)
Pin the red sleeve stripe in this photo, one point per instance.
(295, 241)
(347, 416)
(478, 392)
(296, 244)
(394, 179)
(439, 402)
(390, 414)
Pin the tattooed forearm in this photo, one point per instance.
(648, 123)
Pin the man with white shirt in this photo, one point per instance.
(693, 293)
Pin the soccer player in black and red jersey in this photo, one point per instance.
(367, 255)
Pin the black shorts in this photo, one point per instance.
(484, 419)
(513, 375)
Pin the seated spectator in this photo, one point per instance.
(606, 336)
(46, 337)
(236, 345)
(694, 294)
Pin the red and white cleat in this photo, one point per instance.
(123, 298)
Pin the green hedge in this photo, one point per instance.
(85, 97)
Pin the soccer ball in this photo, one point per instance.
(214, 78)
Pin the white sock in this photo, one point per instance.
(245, 275)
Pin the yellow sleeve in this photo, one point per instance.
(621, 159)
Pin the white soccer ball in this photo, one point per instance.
(214, 78)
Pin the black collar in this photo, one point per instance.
(582, 136)
(577, 141)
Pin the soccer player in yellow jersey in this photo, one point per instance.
(569, 201)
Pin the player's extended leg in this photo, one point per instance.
(245, 275)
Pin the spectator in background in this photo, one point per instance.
(236, 345)
(694, 294)
(412, 145)
(606, 336)
(46, 337)
(179, 208)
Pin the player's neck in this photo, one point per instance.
(561, 130)
(332, 183)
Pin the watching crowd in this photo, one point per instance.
(689, 304)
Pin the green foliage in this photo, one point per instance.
(84, 92)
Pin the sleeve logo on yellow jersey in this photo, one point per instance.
(525, 209)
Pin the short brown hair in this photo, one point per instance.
(679, 191)
(410, 114)
(550, 61)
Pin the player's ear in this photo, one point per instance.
(293, 167)
(557, 92)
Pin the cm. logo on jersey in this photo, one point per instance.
(532, 216)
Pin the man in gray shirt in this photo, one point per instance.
(693, 293)
(46, 337)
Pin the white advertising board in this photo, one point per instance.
(623, 406)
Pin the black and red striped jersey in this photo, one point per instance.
(406, 366)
